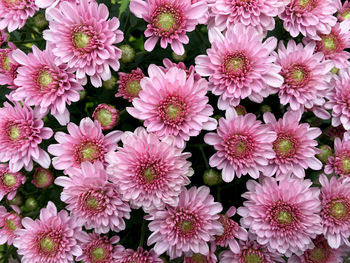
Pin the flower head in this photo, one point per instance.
(340, 162)
(106, 115)
(343, 10)
(42, 178)
(9, 222)
(9, 182)
(8, 67)
(129, 84)
(140, 255)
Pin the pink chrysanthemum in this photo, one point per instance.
(239, 65)
(20, 134)
(321, 253)
(92, 200)
(85, 142)
(343, 10)
(9, 222)
(8, 67)
(309, 17)
(129, 84)
(199, 258)
(168, 20)
(14, 13)
(231, 231)
(42, 178)
(340, 162)
(45, 84)
(140, 255)
(173, 104)
(251, 252)
(9, 182)
(306, 75)
(106, 115)
(187, 227)
(50, 239)
(339, 97)
(149, 173)
(243, 144)
(97, 249)
(3, 37)
(294, 146)
(284, 215)
(81, 36)
(335, 214)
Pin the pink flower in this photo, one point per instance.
(321, 253)
(140, 255)
(3, 37)
(187, 227)
(335, 214)
(294, 146)
(149, 173)
(129, 84)
(9, 222)
(306, 75)
(93, 201)
(309, 17)
(81, 36)
(173, 104)
(44, 84)
(340, 162)
(343, 10)
(106, 115)
(339, 97)
(50, 239)
(9, 182)
(284, 216)
(97, 249)
(14, 14)
(8, 67)
(42, 178)
(239, 65)
(243, 145)
(20, 134)
(83, 143)
(168, 20)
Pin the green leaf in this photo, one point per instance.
(123, 5)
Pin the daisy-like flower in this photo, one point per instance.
(50, 239)
(168, 20)
(243, 144)
(309, 17)
(339, 97)
(239, 65)
(129, 84)
(20, 134)
(188, 226)
(85, 142)
(140, 255)
(306, 75)
(173, 104)
(81, 36)
(251, 252)
(14, 13)
(45, 84)
(335, 214)
(92, 200)
(9, 182)
(97, 249)
(340, 162)
(106, 115)
(343, 10)
(149, 173)
(8, 67)
(284, 216)
(42, 178)
(9, 222)
(321, 253)
(294, 146)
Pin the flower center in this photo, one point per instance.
(47, 244)
(173, 110)
(346, 165)
(252, 258)
(166, 21)
(9, 180)
(105, 117)
(238, 147)
(11, 225)
(303, 3)
(98, 253)
(284, 217)
(338, 210)
(45, 78)
(298, 75)
(186, 226)
(134, 87)
(14, 132)
(236, 64)
(149, 174)
(89, 152)
(284, 146)
(317, 254)
(92, 203)
(81, 40)
(6, 63)
(346, 14)
(329, 42)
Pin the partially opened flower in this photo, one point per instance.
(9, 182)
(243, 145)
(188, 226)
(239, 65)
(343, 10)
(81, 36)
(9, 222)
(129, 84)
(140, 255)
(172, 103)
(85, 142)
(51, 239)
(8, 67)
(42, 178)
(106, 115)
(168, 20)
(21, 132)
(283, 215)
(340, 162)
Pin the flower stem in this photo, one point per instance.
(204, 157)
(143, 232)
(28, 41)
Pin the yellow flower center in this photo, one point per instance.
(186, 226)
(9, 180)
(45, 78)
(134, 87)
(173, 111)
(346, 165)
(6, 63)
(81, 40)
(11, 225)
(235, 64)
(14, 132)
(166, 21)
(92, 203)
(252, 258)
(104, 117)
(329, 42)
(346, 14)
(149, 174)
(338, 210)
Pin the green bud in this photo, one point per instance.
(40, 21)
(82, 94)
(128, 53)
(110, 84)
(265, 108)
(212, 177)
(178, 57)
(31, 204)
(326, 151)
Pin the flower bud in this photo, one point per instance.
(31, 204)
(42, 178)
(106, 115)
(128, 53)
(110, 84)
(212, 177)
(326, 151)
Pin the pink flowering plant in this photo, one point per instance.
(174, 131)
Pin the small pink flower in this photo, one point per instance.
(42, 178)
(9, 182)
(173, 104)
(50, 239)
(83, 143)
(168, 20)
(343, 10)
(239, 65)
(243, 145)
(8, 67)
(283, 215)
(187, 227)
(140, 255)
(106, 115)
(81, 36)
(340, 162)
(294, 146)
(9, 222)
(129, 84)
(20, 134)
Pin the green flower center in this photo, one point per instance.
(47, 245)
(284, 217)
(89, 152)
(285, 146)
(81, 40)
(92, 202)
(334, 70)
(166, 21)
(252, 258)
(41, 178)
(303, 3)
(298, 75)
(134, 87)
(14, 132)
(240, 147)
(98, 253)
(6, 63)
(235, 64)
(317, 254)
(11, 225)
(186, 226)
(329, 43)
(105, 117)
(338, 210)
(346, 165)
(173, 111)
(45, 78)
(149, 174)
(9, 180)
(346, 14)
